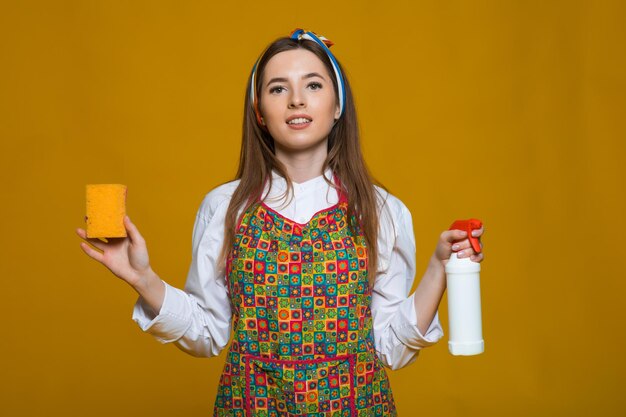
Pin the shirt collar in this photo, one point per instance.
(310, 184)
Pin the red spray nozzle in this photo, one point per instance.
(468, 226)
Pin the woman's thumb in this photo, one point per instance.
(133, 233)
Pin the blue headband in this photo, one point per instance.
(325, 44)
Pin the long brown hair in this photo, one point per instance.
(257, 160)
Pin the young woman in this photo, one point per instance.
(312, 260)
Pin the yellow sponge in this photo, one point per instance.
(106, 208)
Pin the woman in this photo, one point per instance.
(317, 283)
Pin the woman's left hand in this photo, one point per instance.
(457, 241)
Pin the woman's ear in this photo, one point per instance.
(337, 112)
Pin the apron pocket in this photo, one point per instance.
(276, 387)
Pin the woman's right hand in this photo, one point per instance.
(126, 257)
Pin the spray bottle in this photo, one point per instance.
(464, 311)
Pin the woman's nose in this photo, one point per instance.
(296, 100)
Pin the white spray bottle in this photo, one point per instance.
(464, 310)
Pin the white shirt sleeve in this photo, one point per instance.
(396, 335)
(198, 319)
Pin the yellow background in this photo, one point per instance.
(512, 112)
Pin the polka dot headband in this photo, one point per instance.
(325, 44)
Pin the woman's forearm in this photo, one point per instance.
(152, 290)
(428, 294)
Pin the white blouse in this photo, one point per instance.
(198, 319)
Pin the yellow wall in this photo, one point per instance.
(512, 112)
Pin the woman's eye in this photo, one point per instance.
(276, 89)
(315, 86)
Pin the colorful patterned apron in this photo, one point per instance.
(303, 342)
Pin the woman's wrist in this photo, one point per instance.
(436, 266)
(144, 281)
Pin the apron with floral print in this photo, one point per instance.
(303, 342)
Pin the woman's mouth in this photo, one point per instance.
(299, 123)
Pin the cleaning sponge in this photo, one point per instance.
(106, 208)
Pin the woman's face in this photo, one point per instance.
(298, 103)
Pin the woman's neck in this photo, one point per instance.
(303, 166)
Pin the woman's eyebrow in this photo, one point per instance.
(304, 77)
(313, 74)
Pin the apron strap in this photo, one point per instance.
(340, 191)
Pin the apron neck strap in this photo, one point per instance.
(340, 191)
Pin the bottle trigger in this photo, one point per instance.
(468, 226)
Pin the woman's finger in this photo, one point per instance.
(133, 232)
(453, 235)
(464, 253)
(466, 247)
(463, 244)
(478, 232)
(95, 242)
(477, 257)
(92, 252)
